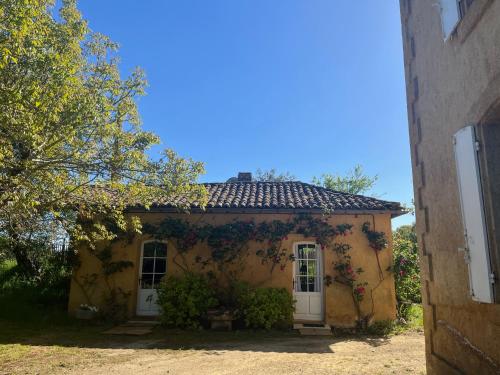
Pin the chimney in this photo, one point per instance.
(244, 177)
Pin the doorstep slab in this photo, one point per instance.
(126, 329)
(313, 329)
(143, 322)
(315, 332)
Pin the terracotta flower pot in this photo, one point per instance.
(220, 319)
(85, 314)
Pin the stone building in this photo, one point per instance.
(242, 204)
(452, 67)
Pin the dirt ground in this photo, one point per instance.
(214, 354)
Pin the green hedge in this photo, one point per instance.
(265, 307)
(185, 300)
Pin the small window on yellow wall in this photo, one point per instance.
(154, 264)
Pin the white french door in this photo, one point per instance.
(153, 267)
(308, 282)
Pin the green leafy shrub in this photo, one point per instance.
(51, 284)
(265, 307)
(383, 328)
(406, 269)
(414, 321)
(33, 300)
(185, 300)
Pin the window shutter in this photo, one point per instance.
(471, 199)
(450, 15)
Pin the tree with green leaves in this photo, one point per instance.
(71, 143)
(271, 175)
(354, 182)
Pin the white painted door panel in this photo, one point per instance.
(147, 303)
(301, 304)
(315, 304)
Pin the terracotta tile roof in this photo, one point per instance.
(287, 195)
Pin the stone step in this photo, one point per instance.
(125, 329)
(313, 329)
(143, 322)
(134, 327)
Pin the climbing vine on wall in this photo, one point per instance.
(378, 242)
(228, 243)
(184, 236)
(274, 233)
(115, 298)
(320, 229)
(347, 275)
(228, 246)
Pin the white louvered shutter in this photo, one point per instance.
(450, 15)
(471, 199)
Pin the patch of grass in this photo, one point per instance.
(46, 359)
(12, 352)
(416, 320)
(394, 327)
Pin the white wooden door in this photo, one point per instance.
(308, 282)
(153, 267)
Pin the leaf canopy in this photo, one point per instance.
(70, 131)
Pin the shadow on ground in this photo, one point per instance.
(92, 337)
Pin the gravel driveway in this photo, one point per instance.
(274, 355)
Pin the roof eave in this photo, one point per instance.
(234, 210)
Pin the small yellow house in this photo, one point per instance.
(314, 275)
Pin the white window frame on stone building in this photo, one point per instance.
(452, 11)
(476, 248)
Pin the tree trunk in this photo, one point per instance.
(23, 260)
(20, 251)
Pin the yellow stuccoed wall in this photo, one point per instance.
(338, 306)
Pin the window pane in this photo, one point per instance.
(301, 253)
(312, 284)
(149, 249)
(147, 265)
(311, 268)
(160, 265)
(306, 251)
(311, 252)
(302, 284)
(157, 280)
(161, 250)
(302, 267)
(147, 281)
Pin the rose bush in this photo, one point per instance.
(406, 268)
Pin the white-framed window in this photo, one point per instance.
(153, 263)
(477, 244)
(452, 11)
(308, 269)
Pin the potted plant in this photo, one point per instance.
(86, 312)
(220, 319)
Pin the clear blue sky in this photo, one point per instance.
(302, 86)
